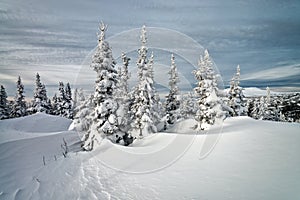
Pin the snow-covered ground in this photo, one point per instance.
(252, 160)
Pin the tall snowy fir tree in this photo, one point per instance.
(145, 107)
(253, 107)
(262, 108)
(54, 105)
(209, 104)
(157, 109)
(122, 94)
(68, 104)
(250, 106)
(19, 104)
(271, 110)
(172, 102)
(62, 104)
(40, 101)
(61, 98)
(104, 115)
(236, 97)
(68, 92)
(4, 108)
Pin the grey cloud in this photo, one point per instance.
(258, 34)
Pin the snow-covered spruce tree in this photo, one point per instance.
(68, 92)
(254, 106)
(68, 104)
(61, 98)
(157, 109)
(19, 104)
(262, 108)
(54, 105)
(62, 104)
(209, 104)
(4, 109)
(146, 105)
(272, 111)
(122, 95)
(236, 97)
(250, 106)
(104, 122)
(40, 101)
(172, 102)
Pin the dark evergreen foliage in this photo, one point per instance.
(4, 107)
(40, 101)
(19, 104)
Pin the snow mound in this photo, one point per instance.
(252, 160)
(32, 126)
(37, 123)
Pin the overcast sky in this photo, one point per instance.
(53, 37)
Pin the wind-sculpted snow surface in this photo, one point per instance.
(39, 124)
(252, 160)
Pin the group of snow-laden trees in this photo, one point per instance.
(276, 107)
(120, 115)
(282, 107)
(115, 112)
(61, 105)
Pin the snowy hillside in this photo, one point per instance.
(252, 160)
(32, 126)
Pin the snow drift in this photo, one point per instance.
(252, 160)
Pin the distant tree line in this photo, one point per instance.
(282, 107)
(61, 104)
